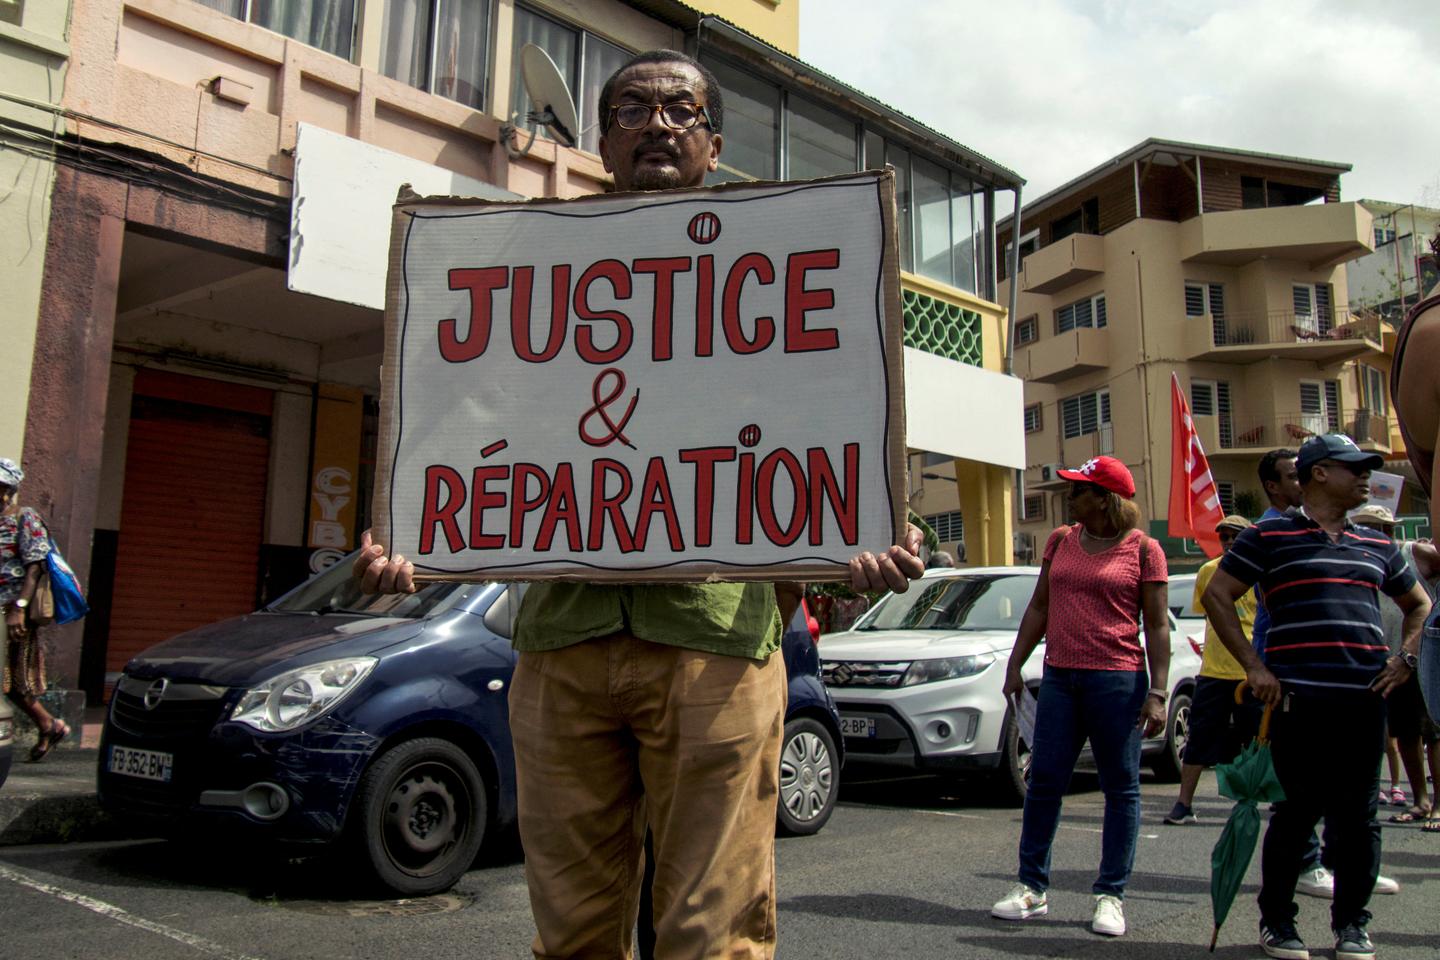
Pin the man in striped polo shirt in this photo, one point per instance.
(1327, 671)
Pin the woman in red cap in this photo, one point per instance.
(1097, 576)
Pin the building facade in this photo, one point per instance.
(202, 416)
(1402, 269)
(1224, 267)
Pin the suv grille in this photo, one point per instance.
(863, 673)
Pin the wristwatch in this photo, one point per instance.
(1409, 659)
(1162, 695)
(21, 603)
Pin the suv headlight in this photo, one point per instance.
(7, 728)
(946, 668)
(296, 697)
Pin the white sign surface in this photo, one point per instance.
(344, 194)
(663, 386)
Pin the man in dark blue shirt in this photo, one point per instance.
(1327, 669)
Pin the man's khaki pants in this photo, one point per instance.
(614, 733)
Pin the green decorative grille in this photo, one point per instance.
(943, 329)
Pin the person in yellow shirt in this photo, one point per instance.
(1219, 726)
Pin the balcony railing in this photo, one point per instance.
(1291, 327)
(1323, 336)
(1242, 434)
(943, 328)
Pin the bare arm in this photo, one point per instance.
(1219, 601)
(1416, 605)
(1032, 631)
(1154, 600)
(788, 594)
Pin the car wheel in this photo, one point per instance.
(1177, 734)
(1014, 772)
(422, 815)
(809, 780)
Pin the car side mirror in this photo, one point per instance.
(500, 618)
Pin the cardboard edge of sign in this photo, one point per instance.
(898, 463)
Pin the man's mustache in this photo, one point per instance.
(662, 146)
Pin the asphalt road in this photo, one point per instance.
(906, 868)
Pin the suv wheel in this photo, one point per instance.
(1014, 772)
(809, 782)
(1177, 734)
(420, 816)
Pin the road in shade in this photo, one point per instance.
(906, 868)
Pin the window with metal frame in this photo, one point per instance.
(1086, 413)
(584, 60)
(773, 133)
(1034, 421)
(949, 527)
(440, 46)
(1033, 507)
(326, 24)
(1089, 312)
(1373, 394)
(1211, 398)
(1027, 330)
(1384, 235)
(1226, 490)
(1313, 313)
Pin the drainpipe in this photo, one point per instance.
(1013, 270)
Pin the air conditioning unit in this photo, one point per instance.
(1050, 472)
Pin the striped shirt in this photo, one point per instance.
(1323, 598)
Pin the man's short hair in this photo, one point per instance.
(714, 99)
(1269, 473)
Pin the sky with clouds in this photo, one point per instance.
(1051, 88)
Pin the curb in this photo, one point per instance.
(54, 801)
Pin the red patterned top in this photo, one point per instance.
(1094, 618)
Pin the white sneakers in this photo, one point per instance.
(1320, 882)
(1109, 919)
(1021, 903)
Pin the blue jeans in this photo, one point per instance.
(1103, 705)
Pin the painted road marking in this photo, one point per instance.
(120, 915)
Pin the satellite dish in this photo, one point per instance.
(550, 103)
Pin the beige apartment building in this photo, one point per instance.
(1224, 267)
(201, 407)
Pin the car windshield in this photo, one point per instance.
(983, 602)
(335, 591)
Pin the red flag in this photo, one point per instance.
(1194, 499)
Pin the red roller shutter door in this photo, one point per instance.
(193, 510)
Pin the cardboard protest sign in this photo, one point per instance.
(671, 386)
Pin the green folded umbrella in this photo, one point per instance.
(1250, 781)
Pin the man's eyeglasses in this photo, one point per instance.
(677, 114)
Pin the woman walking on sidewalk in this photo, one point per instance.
(1097, 576)
(24, 545)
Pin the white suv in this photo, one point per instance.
(919, 678)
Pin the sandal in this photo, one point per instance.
(1413, 815)
(59, 729)
(1432, 824)
(1397, 796)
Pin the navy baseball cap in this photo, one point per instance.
(1336, 446)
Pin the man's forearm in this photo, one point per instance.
(1413, 627)
(788, 594)
(1227, 627)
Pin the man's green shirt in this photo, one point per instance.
(734, 619)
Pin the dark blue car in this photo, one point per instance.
(375, 722)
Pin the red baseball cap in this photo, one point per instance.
(1106, 472)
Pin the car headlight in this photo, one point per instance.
(946, 668)
(296, 697)
(7, 728)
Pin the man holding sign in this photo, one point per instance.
(650, 703)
